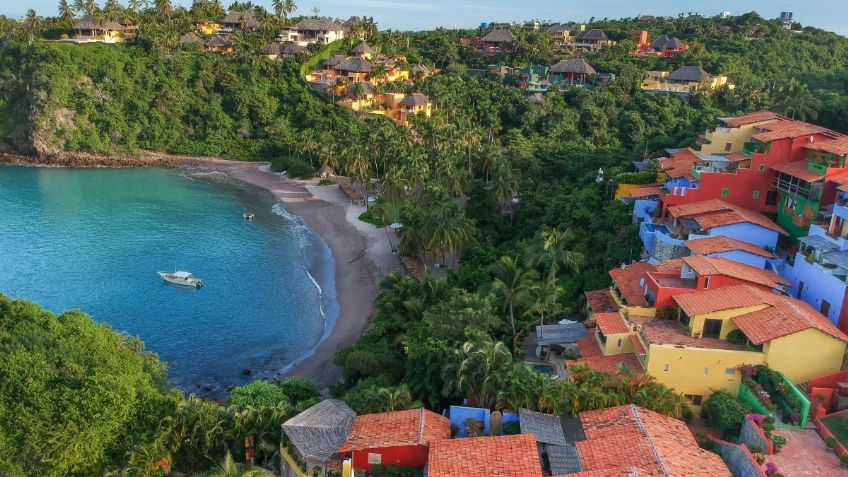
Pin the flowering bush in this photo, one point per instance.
(771, 468)
(758, 419)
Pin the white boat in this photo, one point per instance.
(185, 279)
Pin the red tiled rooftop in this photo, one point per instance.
(751, 118)
(705, 266)
(601, 301)
(397, 428)
(608, 364)
(610, 323)
(719, 244)
(646, 191)
(737, 157)
(626, 437)
(797, 169)
(786, 317)
(589, 347)
(725, 298)
(679, 164)
(717, 213)
(837, 146)
(637, 345)
(788, 129)
(501, 456)
(627, 280)
(669, 266)
(674, 282)
(672, 332)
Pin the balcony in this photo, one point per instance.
(752, 147)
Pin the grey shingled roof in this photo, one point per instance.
(501, 35)
(690, 74)
(356, 65)
(235, 18)
(216, 42)
(574, 65)
(594, 34)
(415, 99)
(546, 427)
(88, 22)
(362, 48)
(564, 460)
(190, 37)
(666, 43)
(561, 333)
(318, 24)
(319, 431)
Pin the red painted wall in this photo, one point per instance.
(664, 295)
(406, 456)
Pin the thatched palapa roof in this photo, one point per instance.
(88, 22)
(235, 18)
(319, 431)
(334, 60)
(217, 42)
(293, 49)
(355, 65)
(666, 43)
(574, 65)
(415, 99)
(501, 35)
(362, 49)
(273, 48)
(190, 37)
(318, 24)
(559, 28)
(594, 34)
(689, 74)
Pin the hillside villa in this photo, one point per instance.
(312, 30)
(496, 42)
(88, 29)
(663, 46)
(684, 80)
(593, 39)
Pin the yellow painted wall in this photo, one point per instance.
(686, 368)
(805, 355)
(696, 323)
(737, 137)
(612, 346)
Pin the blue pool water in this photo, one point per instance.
(93, 239)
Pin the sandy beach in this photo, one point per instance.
(361, 252)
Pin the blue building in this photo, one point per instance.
(819, 271)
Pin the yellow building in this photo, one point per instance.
(715, 331)
(90, 30)
(684, 80)
(208, 28)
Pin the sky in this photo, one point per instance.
(422, 14)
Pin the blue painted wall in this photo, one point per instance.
(747, 232)
(642, 209)
(818, 285)
(742, 257)
(458, 415)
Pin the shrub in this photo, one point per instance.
(294, 167)
(298, 389)
(724, 411)
(257, 394)
(511, 428)
(843, 459)
(778, 441)
(736, 336)
(830, 442)
(473, 427)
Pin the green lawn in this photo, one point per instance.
(838, 426)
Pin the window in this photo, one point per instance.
(762, 168)
(712, 328)
(790, 203)
(824, 309)
(695, 399)
(724, 192)
(728, 146)
(800, 290)
(756, 195)
(665, 367)
(706, 371)
(375, 458)
(729, 370)
(706, 282)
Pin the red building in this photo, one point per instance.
(743, 177)
(663, 46)
(399, 438)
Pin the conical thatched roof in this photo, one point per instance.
(293, 49)
(217, 42)
(415, 99)
(362, 49)
(319, 431)
(236, 18)
(190, 37)
(355, 65)
(689, 74)
(273, 48)
(666, 43)
(88, 22)
(574, 65)
(334, 60)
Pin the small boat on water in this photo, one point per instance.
(185, 279)
(248, 216)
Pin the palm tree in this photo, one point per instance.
(89, 7)
(164, 7)
(216, 8)
(79, 6)
(478, 371)
(65, 11)
(505, 183)
(509, 284)
(229, 468)
(134, 5)
(542, 298)
(795, 99)
(33, 20)
(289, 7)
(556, 253)
(395, 399)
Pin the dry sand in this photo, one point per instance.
(361, 252)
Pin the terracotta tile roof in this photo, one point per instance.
(721, 266)
(608, 364)
(397, 428)
(501, 456)
(842, 183)
(837, 146)
(737, 157)
(629, 440)
(637, 345)
(725, 298)
(669, 266)
(787, 129)
(752, 118)
(716, 213)
(589, 347)
(679, 164)
(797, 169)
(785, 318)
(627, 280)
(611, 323)
(646, 191)
(601, 301)
(719, 244)
(672, 332)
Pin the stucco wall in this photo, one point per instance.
(742, 257)
(748, 232)
(805, 355)
(752, 435)
(739, 459)
(818, 285)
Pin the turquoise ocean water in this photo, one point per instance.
(93, 239)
